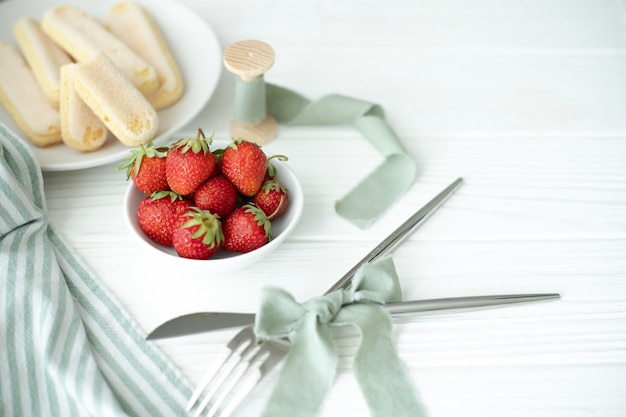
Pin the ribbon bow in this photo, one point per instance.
(311, 364)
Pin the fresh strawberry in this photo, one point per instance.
(217, 195)
(158, 213)
(146, 167)
(272, 198)
(198, 234)
(189, 163)
(246, 229)
(244, 164)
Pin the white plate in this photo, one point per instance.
(192, 43)
(223, 260)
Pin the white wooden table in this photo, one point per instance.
(524, 99)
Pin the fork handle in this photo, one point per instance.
(399, 235)
(406, 308)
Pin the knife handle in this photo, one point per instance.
(406, 308)
(399, 235)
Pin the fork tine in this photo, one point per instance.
(238, 346)
(227, 390)
(265, 358)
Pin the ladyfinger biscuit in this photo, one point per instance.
(81, 35)
(80, 128)
(42, 55)
(133, 25)
(24, 100)
(115, 100)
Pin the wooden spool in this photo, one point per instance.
(249, 60)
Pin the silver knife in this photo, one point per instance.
(205, 322)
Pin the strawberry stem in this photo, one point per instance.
(279, 157)
(271, 170)
(199, 143)
(280, 205)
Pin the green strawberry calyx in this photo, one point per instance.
(273, 185)
(261, 219)
(157, 195)
(235, 142)
(147, 151)
(198, 144)
(209, 226)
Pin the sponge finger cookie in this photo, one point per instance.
(81, 35)
(133, 25)
(115, 100)
(24, 100)
(44, 57)
(80, 128)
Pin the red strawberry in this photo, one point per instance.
(217, 195)
(158, 213)
(244, 164)
(246, 229)
(146, 167)
(198, 234)
(272, 198)
(189, 163)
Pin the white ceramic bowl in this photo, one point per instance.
(224, 260)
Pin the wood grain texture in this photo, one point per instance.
(525, 100)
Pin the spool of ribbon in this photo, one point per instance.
(373, 195)
(249, 60)
(310, 366)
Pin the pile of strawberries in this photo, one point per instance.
(200, 201)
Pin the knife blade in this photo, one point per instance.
(202, 322)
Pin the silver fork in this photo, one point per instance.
(248, 362)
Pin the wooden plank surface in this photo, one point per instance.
(525, 100)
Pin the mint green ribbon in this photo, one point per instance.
(311, 364)
(379, 190)
(250, 101)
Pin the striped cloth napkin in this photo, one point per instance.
(67, 347)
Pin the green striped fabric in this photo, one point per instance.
(67, 347)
